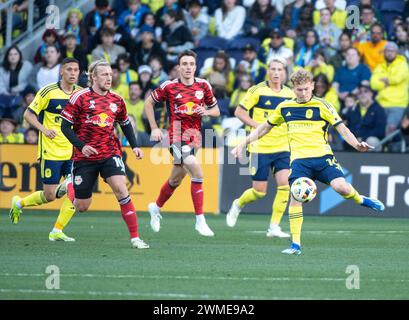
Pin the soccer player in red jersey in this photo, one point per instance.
(91, 113)
(186, 98)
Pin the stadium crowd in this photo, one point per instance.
(360, 64)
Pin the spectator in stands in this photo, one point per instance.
(338, 16)
(306, 52)
(49, 71)
(372, 51)
(291, 17)
(372, 117)
(14, 72)
(261, 19)
(150, 20)
(50, 37)
(93, 19)
(170, 5)
(197, 21)
(276, 48)
(348, 78)
(117, 86)
(237, 96)
(319, 65)
(305, 22)
(147, 47)
(220, 74)
(135, 104)
(351, 114)
(131, 18)
(31, 136)
(338, 60)
(391, 80)
(74, 23)
(121, 37)
(402, 39)
(145, 80)
(27, 97)
(7, 130)
(230, 19)
(363, 32)
(142, 138)
(177, 37)
(72, 50)
(282, 4)
(158, 74)
(107, 50)
(324, 90)
(328, 33)
(173, 71)
(127, 75)
(256, 69)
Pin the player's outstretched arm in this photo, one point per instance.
(32, 119)
(156, 133)
(257, 134)
(351, 139)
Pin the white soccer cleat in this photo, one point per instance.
(138, 243)
(276, 232)
(154, 211)
(204, 229)
(233, 214)
(59, 236)
(61, 189)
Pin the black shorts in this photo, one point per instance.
(180, 151)
(85, 174)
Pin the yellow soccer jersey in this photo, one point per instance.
(307, 126)
(260, 101)
(48, 104)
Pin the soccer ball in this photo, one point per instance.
(304, 189)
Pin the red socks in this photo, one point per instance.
(197, 195)
(129, 216)
(165, 193)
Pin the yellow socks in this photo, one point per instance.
(250, 195)
(35, 199)
(354, 195)
(279, 204)
(67, 210)
(296, 220)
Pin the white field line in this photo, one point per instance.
(170, 277)
(344, 231)
(146, 294)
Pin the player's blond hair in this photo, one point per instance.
(277, 59)
(93, 68)
(301, 76)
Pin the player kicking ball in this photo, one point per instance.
(186, 98)
(270, 153)
(308, 119)
(54, 150)
(88, 123)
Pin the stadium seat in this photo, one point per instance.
(389, 11)
(213, 43)
(209, 62)
(236, 54)
(203, 54)
(240, 43)
(224, 106)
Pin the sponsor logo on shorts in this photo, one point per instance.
(77, 180)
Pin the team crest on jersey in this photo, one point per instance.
(308, 114)
(113, 107)
(77, 180)
(199, 95)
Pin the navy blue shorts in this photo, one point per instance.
(324, 169)
(53, 170)
(261, 163)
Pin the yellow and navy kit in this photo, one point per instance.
(307, 126)
(261, 102)
(47, 105)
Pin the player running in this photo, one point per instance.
(270, 152)
(308, 119)
(54, 150)
(186, 98)
(92, 113)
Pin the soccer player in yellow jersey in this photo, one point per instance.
(54, 150)
(308, 119)
(271, 152)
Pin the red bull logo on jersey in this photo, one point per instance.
(188, 108)
(101, 120)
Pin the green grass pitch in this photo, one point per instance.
(239, 263)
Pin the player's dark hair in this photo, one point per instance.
(187, 53)
(69, 60)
